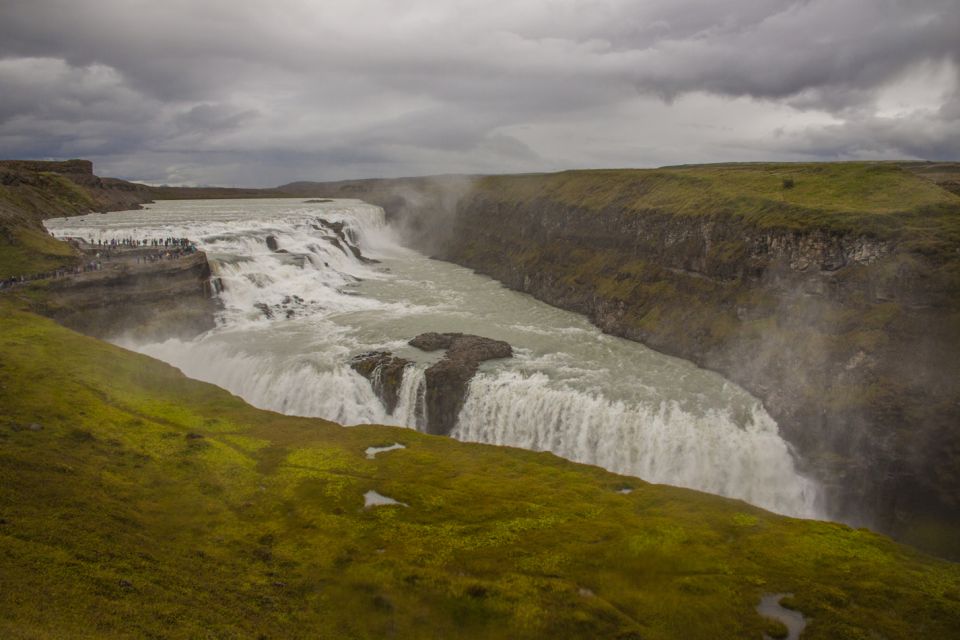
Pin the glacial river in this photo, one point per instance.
(293, 318)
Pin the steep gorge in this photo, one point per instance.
(851, 338)
(835, 299)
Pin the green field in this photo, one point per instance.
(150, 505)
(25, 247)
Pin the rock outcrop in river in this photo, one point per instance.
(447, 381)
(385, 373)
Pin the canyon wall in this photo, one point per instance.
(849, 333)
(150, 302)
(833, 296)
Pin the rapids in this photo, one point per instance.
(293, 317)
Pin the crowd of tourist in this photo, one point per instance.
(148, 251)
(115, 243)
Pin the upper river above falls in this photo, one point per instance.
(297, 308)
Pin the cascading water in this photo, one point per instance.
(659, 443)
(301, 297)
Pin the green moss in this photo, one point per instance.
(27, 251)
(775, 628)
(118, 524)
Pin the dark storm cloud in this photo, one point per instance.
(264, 92)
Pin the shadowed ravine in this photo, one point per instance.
(299, 306)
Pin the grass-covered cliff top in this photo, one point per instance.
(26, 199)
(31, 192)
(135, 502)
(860, 196)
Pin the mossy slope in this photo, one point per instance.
(29, 194)
(119, 521)
(25, 248)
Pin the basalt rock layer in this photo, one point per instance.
(385, 373)
(150, 301)
(447, 381)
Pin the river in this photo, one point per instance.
(294, 313)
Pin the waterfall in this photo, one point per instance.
(658, 442)
(411, 407)
(302, 293)
(306, 387)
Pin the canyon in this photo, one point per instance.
(126, 484)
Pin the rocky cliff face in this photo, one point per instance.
(153, 301)
(851, 340)
(447, 381)
(385, 373)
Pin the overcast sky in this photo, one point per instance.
(257, 93)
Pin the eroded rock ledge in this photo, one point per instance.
(385, 373)
(149, 301)
(446, 382)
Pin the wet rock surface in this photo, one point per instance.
(385, 373)
(343, 239)
(146, 301)
(447, 380)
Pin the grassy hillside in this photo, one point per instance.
(25, 200)
(31, 192)
(135, 502)
(844, 186)
(878, 199)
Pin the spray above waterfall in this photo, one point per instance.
(308, 286)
